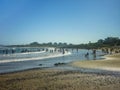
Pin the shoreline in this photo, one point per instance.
(110, 63)
(56, 79)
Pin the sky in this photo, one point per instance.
(70, 21)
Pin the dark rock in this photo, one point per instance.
(57, 64)
(40, 64)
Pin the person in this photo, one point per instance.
(13, 51)
(63, 51)
(6, 51)
(94, 51)
(86, 55)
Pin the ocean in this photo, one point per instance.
(29, 58)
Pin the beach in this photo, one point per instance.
(59, 44)
(55, 79)
(110, 62)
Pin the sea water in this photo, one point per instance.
(38, 58)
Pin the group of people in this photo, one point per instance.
(93, 53)
(61, 50)
(7, 51)
(104, 50)
(20, 50)
(111, 50)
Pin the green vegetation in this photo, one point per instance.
(107, 42)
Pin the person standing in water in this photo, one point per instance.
(94, 54)
(87, 56)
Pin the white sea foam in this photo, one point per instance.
(36, 58)
(22, 53)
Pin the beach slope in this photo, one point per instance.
(111, 63)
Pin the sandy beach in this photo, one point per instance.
(111, 63)
(57, 80)
(53, 79)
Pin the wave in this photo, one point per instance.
(22, 53)
(36, 58)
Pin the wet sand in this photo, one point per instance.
(51, 79)
(111, 63)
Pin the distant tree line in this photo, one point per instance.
(107, 42)
(50, 44)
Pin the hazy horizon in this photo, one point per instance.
(69, 21)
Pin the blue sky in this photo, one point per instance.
(71, 21)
